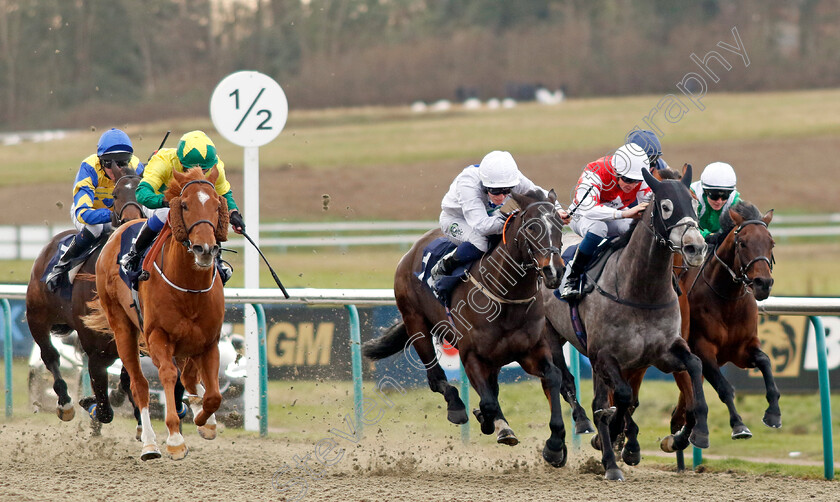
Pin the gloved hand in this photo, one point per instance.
(237, 222)
(509, 206)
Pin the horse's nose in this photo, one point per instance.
(552, 277)
(761, 287)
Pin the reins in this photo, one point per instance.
(743, 278)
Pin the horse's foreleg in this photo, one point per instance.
(582, 423)
(41, 334)
(100, 410)
(631, 452)
(485, 382)
(689, 362)
(161, 351)
(208, 364)
(551, 378)
(126, 338)
(773, 414)
(726, 393)
(682, 423)
(603, 415)
(125, 385)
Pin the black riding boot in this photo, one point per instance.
(132, 260)
(572, 289)
(225, 270)
(58, 277)
(445, 266)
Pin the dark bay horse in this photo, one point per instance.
(723, 317)
(632, 320)
(496, 318)
(48, 312)
(183, 307)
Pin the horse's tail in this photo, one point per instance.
(96, 319)
(392, 341)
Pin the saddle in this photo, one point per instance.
(444, 287)
(593, 270)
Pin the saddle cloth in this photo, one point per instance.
(593, 270)
(432, 254)
(75, 263)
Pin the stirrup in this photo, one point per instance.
(572, 291)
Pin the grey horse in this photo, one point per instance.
(632, 320)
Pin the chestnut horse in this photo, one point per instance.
(723, 317)
(57, 313)
(183, 307)
(497, 318)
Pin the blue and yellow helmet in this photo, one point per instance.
(196, 150)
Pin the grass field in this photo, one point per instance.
(305, 411)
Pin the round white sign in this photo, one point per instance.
(249, 108)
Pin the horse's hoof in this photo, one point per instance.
(614, 474)
(699, 440)
(631, 457)
(207, 431)
(557, 458)
(772, 420)
(177, 452)
(138, 433)
(150, 452)
(506, 436)
(457, 417)
(741, 432)
(667, 444)
(584, 426)
(478, 415)
(66, 412)
(604, 414)
(596, 442)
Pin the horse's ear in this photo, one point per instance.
(212, 175)
(768, 217)
(651, 180)
(552, 196)
(686, 178)
(736, 218)
(176, 220)
(224, 221)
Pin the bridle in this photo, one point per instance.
(132, 203)
(533, 263)
(187, 242)
(742, 277)
(656, 220)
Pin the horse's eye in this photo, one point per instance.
(184, 206)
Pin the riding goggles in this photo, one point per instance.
(713, 194)
(499, 191)
(122, 164)
(629, 181)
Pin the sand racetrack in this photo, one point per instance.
(45, 460)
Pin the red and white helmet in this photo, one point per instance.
(498, 170)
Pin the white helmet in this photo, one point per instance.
(629, 160)
(718, 175)
(498, 170)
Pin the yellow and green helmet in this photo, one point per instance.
(196, 150)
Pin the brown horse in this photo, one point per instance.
(723, 317)
(497, 318)
(183, 307)
(59, 314)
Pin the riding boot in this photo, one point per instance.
(445, 266)
(57, 279)
(574, 282)
(130, 263)
(225, 270)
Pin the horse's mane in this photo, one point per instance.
(174, 188)
(529, 197)
(669, 174)
(745, 209)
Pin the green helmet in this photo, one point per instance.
(196, 150)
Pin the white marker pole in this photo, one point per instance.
(250, 109)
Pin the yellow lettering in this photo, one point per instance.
(314, 347)
(280, 343)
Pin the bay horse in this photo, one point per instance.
(632, 320)
(497, 319)
(722, 320)
(182, 303)
(57, 313)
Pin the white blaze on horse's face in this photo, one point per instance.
(687, 237)
(203, 197)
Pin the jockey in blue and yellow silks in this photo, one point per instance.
(194, 150)
(93, 197)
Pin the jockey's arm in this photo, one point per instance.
(148, 196)
(474, 211)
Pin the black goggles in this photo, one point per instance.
(499, 191)
(652, 159)
(629, 181)
(712, 194)
(122, 164)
